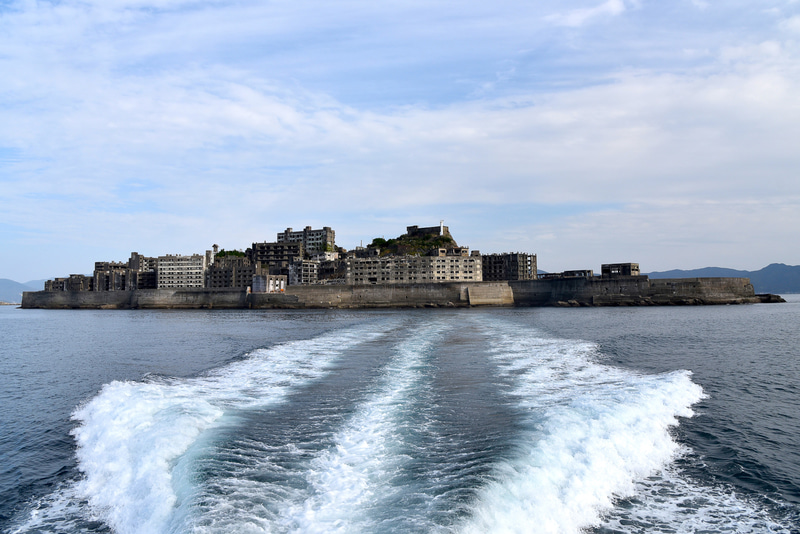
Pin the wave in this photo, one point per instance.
(132, 434)
(669, 501)
(357, 475)
(591, 432)
(591, 445)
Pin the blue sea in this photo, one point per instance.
(540, 420)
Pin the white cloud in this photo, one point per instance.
(242, 148)
(580, 17)
(791, 24)
(753, 53)
(135, 129)
(667, 235)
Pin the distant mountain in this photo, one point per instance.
(775, 278)
(11, 291)
(37, 285)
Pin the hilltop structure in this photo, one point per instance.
(421, 255)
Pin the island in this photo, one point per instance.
(423, 268)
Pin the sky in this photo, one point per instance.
(665, 133)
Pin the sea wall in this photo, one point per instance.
(141, 299)
(362, 296)
(451, 294)
(622, 291)
(633, 291)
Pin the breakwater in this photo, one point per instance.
(619, 291)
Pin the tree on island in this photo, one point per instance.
(412, 246)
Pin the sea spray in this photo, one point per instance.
(132, 433)
(592, 431)
(350, 481)
(669, 501)
(502, 428)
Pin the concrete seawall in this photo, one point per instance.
(634, 291)
(141, 299)
(622, 291)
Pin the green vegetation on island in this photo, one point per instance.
(411, 245)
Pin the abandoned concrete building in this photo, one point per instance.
(313, 241)
(610, 270)
(138, 273)
(231, 271)
(276, 256)
(75, 282)
(509, 266)
(308, 257)
(441, 230)
(178, 271)
(268, 283)
(414, 269)
(578, 273)
(304, 272)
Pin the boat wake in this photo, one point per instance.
(255, 446)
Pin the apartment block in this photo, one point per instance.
(75, 282)
(509, 266)
(276, 255)
(177, 271)
(313, 241)
(141, 264)
(143, 272)
(231, 271)
(304, 272)
(413, 269)
(332, 272)
(111, 276)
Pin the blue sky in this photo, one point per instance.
(587, 132)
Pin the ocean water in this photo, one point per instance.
(597, 420)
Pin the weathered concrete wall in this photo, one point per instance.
(702, 291)
(363, 296)
(76, 299)
(188, 298)
(395, 295)
(633, 291)
(490, 294)
(622, 291)
(143, 298)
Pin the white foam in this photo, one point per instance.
(60, 511)
(593, 430)
(669, 502)
(592, 434)
(132, 434)
(349, 481)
